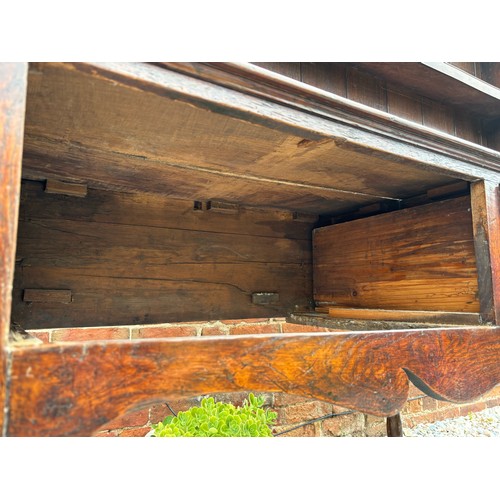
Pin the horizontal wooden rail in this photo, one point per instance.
(443, 317)
(257, 81)
(73, 389)
(313, 120)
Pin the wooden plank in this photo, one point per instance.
(440, 82)
(443, 317)
(490, 72)
(485, 205)
(187, 292)
(54, 186)
(404, 105)
(365, 89)
(73, 389)
(468, 127)
(43, 295)
(326, 76)
(438, 116)
(136, 258)
(449, 190)
(98, 244)
(322, 320)
(134, 209)
(493, 138)
(13, 81)
(420, 258)
(140, 147)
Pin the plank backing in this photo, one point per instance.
(130, 258)
(420, 258)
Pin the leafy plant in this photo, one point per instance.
(213, 419)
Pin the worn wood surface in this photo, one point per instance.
(402, 104)
(256, 153)
(380, 85)
(246, 78)
(490, 72)
(324, 320)
(363, 88)
(325, 76)
(394, 88)
(438, 116)
(420, 258)
(394, 426)
(441, 81)
(44, 295)
(13, 78)
(457, 318)
(164, 145)
(67, 188)
(485, 203)
(139, 258)
(74, 389)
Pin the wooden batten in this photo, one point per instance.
(53, 186)
(222, 206)
(454, 189)
(456, 318)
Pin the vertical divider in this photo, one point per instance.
(485, 203)
(13, 85)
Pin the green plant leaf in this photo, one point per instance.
(213, 419)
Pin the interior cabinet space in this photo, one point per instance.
(154, 193)
(141, 208)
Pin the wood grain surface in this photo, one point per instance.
(247, 150)
(420, 258)
(142, 141)
(246, 78)
(129, 258)
(73, 389)
(443, 317)
(485, 203)
(13, 78)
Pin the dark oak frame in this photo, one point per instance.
(73, 389)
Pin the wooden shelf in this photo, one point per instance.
(358, 324)
(441, 81)
(145, 128)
